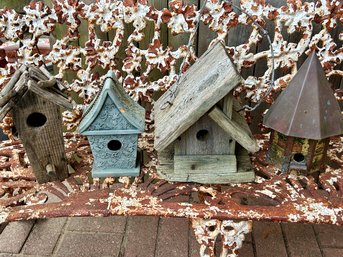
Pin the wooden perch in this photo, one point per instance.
(60, 85)
(234, 129)
(60, 100)
(47, 83)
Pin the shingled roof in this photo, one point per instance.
(307, 108)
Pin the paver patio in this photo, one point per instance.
(158, 237)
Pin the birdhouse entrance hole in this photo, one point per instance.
(202, 135)
(114, 145)
(298, 157)
(36, 119)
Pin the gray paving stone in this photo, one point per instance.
(247, 250)
(172, 238)
(89, 245)
(301, 240)
(140, 237)
(14, 236)
(44, 236)
(332, 252)
(194, 246)
(329, 235)
(113, 224)
(269, 240)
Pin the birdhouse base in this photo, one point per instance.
(101, 173)
(211, 169)
(118, 172)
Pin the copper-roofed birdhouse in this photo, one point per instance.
(199, 135)
(303, 118)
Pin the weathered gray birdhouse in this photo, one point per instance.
(112, 123)
(199, 135)
(34, 98)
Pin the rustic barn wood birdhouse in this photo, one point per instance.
(35, 97)
(303, 118)
(199, 135)
(112, 123)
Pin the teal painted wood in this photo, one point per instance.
(112, 123)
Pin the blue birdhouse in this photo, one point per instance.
(112, 123)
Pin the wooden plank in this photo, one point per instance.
(205, 34)
(234, 129)
(202, 86)
(207, 165)
(227, 110)
(225, 178)
(16, 5)
(181, 39)
(149, 35)
(203, 137)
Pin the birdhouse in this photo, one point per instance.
(303, 118)
(199, 135)
(112, 123)
(35, 97)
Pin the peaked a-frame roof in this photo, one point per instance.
(204, 84)
(307, 108)
(131, 110)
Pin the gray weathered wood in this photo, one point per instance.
(217, 141)
(17, 91)
(14, 79)
(201, 87)
(207, 165)
(54, 98)
(245, 172)
(234, 129)
(43, 144)
(227, 110)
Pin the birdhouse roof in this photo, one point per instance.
(205, 83)
(131, 110)
(307, 108)
(37, 80)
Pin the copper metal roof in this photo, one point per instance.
(307, 108)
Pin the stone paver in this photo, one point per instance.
(301, 240)
(89, 245)
(14, 236)
(140, 237)
(247, 250)
(329, 235)
(114, 224)
(44, 236)
(172, 238)
(268, 240)
(157, 237)
(332, 252)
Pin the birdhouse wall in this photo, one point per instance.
(307, 155)
(114, 151)
(110, 118)
(205, 137)
(39, 125)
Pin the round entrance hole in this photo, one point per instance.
(114, 145)
(36, 119)
(202, 135)
(298, 157)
